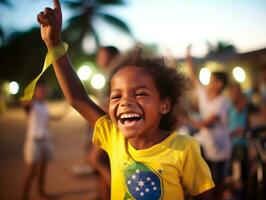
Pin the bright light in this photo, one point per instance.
(13, 87)
(84, 72)
(98, 81)
(239, 74)
(204, 76)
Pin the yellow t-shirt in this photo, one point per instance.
(162, 171)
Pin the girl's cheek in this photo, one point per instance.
(112, 110)
(113, 117)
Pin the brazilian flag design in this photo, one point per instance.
(142, 183)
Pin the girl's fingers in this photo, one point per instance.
(38, 19)
(57, 7)
(45, 18)
(41, 19)
(49, 11)
(50, 16)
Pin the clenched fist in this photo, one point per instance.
(51, 25)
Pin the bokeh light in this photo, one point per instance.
(98, 81)
(204, 76)
(239, 74)
(84, 72)
(13, 87)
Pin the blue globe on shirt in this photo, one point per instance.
(142, 183)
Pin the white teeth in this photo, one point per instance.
(125, 116)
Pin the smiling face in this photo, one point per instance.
(135, 104)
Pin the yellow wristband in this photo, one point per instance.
(52, 55)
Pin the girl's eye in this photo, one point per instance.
(141, 94)
(113, 97)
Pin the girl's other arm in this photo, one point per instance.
(207, 195)
(73, 89)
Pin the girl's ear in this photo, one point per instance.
(165, 106)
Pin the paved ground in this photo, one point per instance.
(69, 137)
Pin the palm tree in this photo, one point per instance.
(5, 2)
(19, 60)
(222, 47)
(87, 11)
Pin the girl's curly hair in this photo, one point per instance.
(169, 82)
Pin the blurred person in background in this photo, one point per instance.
(257, 97)
(262, 88)
(238, 121)
(38, 146)
(213, 132)
(105, 59)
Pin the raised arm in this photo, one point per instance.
(191, 70)
(73, 89)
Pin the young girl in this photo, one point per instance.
(148, 159)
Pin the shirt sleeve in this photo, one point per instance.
(196, 176)
(101, 134)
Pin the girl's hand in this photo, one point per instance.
(51, 25)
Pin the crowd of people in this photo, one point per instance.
(137, 149)
(226, 116)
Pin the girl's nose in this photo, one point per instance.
(126, 101)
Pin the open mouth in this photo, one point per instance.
(129, 118)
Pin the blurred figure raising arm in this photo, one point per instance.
(213, 128)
